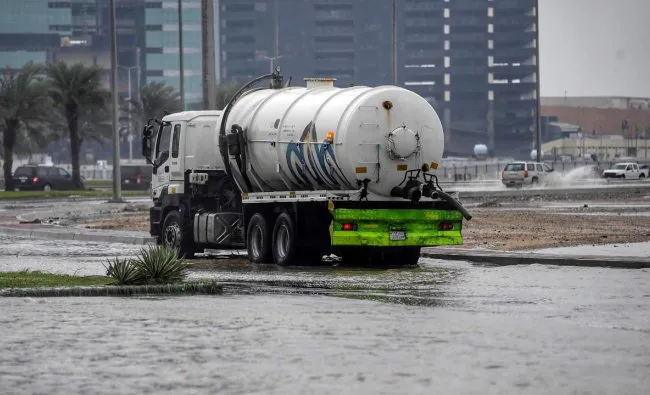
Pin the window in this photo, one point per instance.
(176, 139)
(540, 168)
(531, 166)
(43, 172)
(63, 173)
(547, 168)
(25, 172)
(515, 167)
(164, 137)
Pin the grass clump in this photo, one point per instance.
(154, 265)
(31, 279)
(123, 271)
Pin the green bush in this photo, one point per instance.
(154, 265)
(123, 271)
(160, 265)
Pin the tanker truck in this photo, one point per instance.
(295, 173)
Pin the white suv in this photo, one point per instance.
(524, 173)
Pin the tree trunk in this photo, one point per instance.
(9, 140)
(75, 143)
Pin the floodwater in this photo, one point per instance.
(444, 327)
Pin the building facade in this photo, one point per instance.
(76, 31)
(162, 46)
(473, 60)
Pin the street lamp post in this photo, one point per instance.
(129, 99)
(181, 61)
(117, 187)
(538, 118)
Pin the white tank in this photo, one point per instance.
(480, 150)
(334, 138)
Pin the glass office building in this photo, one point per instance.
(162, 46)
(473, 60)
(73, 31)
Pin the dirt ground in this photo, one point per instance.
(510, 227)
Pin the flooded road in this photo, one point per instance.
(444, 327)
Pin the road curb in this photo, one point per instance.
(510, 259)
(69, 234)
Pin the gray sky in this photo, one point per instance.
(595, 47)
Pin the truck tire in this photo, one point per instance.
(175, 235)
(641, 175)
(258, 240)
(284, 244)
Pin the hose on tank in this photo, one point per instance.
(223, 144)
(447, 197)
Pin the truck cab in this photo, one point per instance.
(177, 146)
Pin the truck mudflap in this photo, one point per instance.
(395, 227)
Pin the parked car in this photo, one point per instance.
(136, 176)
(525, 173)
(627, 170)
(42, 178)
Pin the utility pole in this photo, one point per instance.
(117, 179)
(207, 52)
(181, 61)
(394, 43)
(538, 118)
(277, 30)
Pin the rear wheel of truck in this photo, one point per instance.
(258, 240)
(175, 235)
(284, 244)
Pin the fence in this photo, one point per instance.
(492, 171)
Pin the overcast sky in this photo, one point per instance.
(595, 47)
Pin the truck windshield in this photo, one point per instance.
(164, 138)
(620, 166)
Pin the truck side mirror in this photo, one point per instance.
(146, 143)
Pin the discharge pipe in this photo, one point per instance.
(447, 197)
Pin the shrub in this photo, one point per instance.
(160, 265)
(123, 271)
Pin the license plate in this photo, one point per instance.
(397, 235)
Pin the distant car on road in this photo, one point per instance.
(627, 170)
(42, 178)
(136, 176)
(524, 173)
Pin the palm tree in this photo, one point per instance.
(24, 104)
(78, 90)
(156, 98)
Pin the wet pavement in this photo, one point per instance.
(619, 249)
(444, 327)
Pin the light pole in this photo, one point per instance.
(538, 118)
(181, 61)
(128, 102)
(394, 43)
(271, 60)
(207, 54)
(117, 186)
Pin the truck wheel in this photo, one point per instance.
(284, 244)
(258, 240)
(642, 175)
(174, 235)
